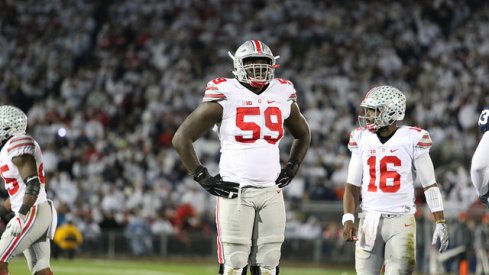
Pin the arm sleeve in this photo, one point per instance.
(479, 170)
(425, 169)
(355, 170)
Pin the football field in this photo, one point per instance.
(131, 267)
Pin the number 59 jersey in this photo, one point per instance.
(251, 128)
(14, 184)
(388, 168)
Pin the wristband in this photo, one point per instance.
(347, 217)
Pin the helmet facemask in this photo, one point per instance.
(372, 119)
(259, 71)
(383, 106)
(254, 64)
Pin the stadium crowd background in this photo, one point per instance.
(105, 85)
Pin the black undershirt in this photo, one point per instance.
(382, 139)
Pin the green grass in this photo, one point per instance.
(131, 267)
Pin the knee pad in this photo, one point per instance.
(270, 257)
(236, 256)
(237, 259)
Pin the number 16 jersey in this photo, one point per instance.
(388, 168)
(251, 128)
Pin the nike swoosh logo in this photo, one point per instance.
(407, 225)
(393, 150)
(271, 101)
(279, 190)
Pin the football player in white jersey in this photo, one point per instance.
(386, 159)
(21, 168)
(250, 113)
(479, 170)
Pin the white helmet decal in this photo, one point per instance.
(255, 74)
(389, 104)
(12, 121)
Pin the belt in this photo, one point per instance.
(388, 216)
(383, 215)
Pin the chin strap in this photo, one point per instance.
(257, 84)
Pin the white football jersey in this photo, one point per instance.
(388, 169)
(251, 128)
(16, 146)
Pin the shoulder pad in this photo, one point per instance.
(289, 87)
(355, 136)
(20, 144)
(424, 139)
(213, 90)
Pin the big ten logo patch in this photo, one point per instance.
(247, 103)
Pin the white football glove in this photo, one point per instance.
(17, 224)
(441, 233)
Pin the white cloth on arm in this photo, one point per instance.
(479, 170)
(369, 230)
(425, 169)
(355, 170)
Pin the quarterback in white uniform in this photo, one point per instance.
(249, 114)
(21, 168)
(384, 163)
(479, 170)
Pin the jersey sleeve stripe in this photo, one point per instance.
(14, 140)
(211, 88)
(20, 145)
(293, 96)
(214, 96)
(352, 143)
(424, 144)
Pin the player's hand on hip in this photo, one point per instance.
(349, 231)
(17, 224)
(287, 174)
(215, 185)
(441, 233)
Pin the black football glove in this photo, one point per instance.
(287, 174)
(215, 185)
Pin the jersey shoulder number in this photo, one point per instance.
(483, 120)
(288, 87)
(422, 137)
(214, 90)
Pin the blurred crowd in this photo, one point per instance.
(105, 85)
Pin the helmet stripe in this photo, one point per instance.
(370, 92)
(257, 45)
